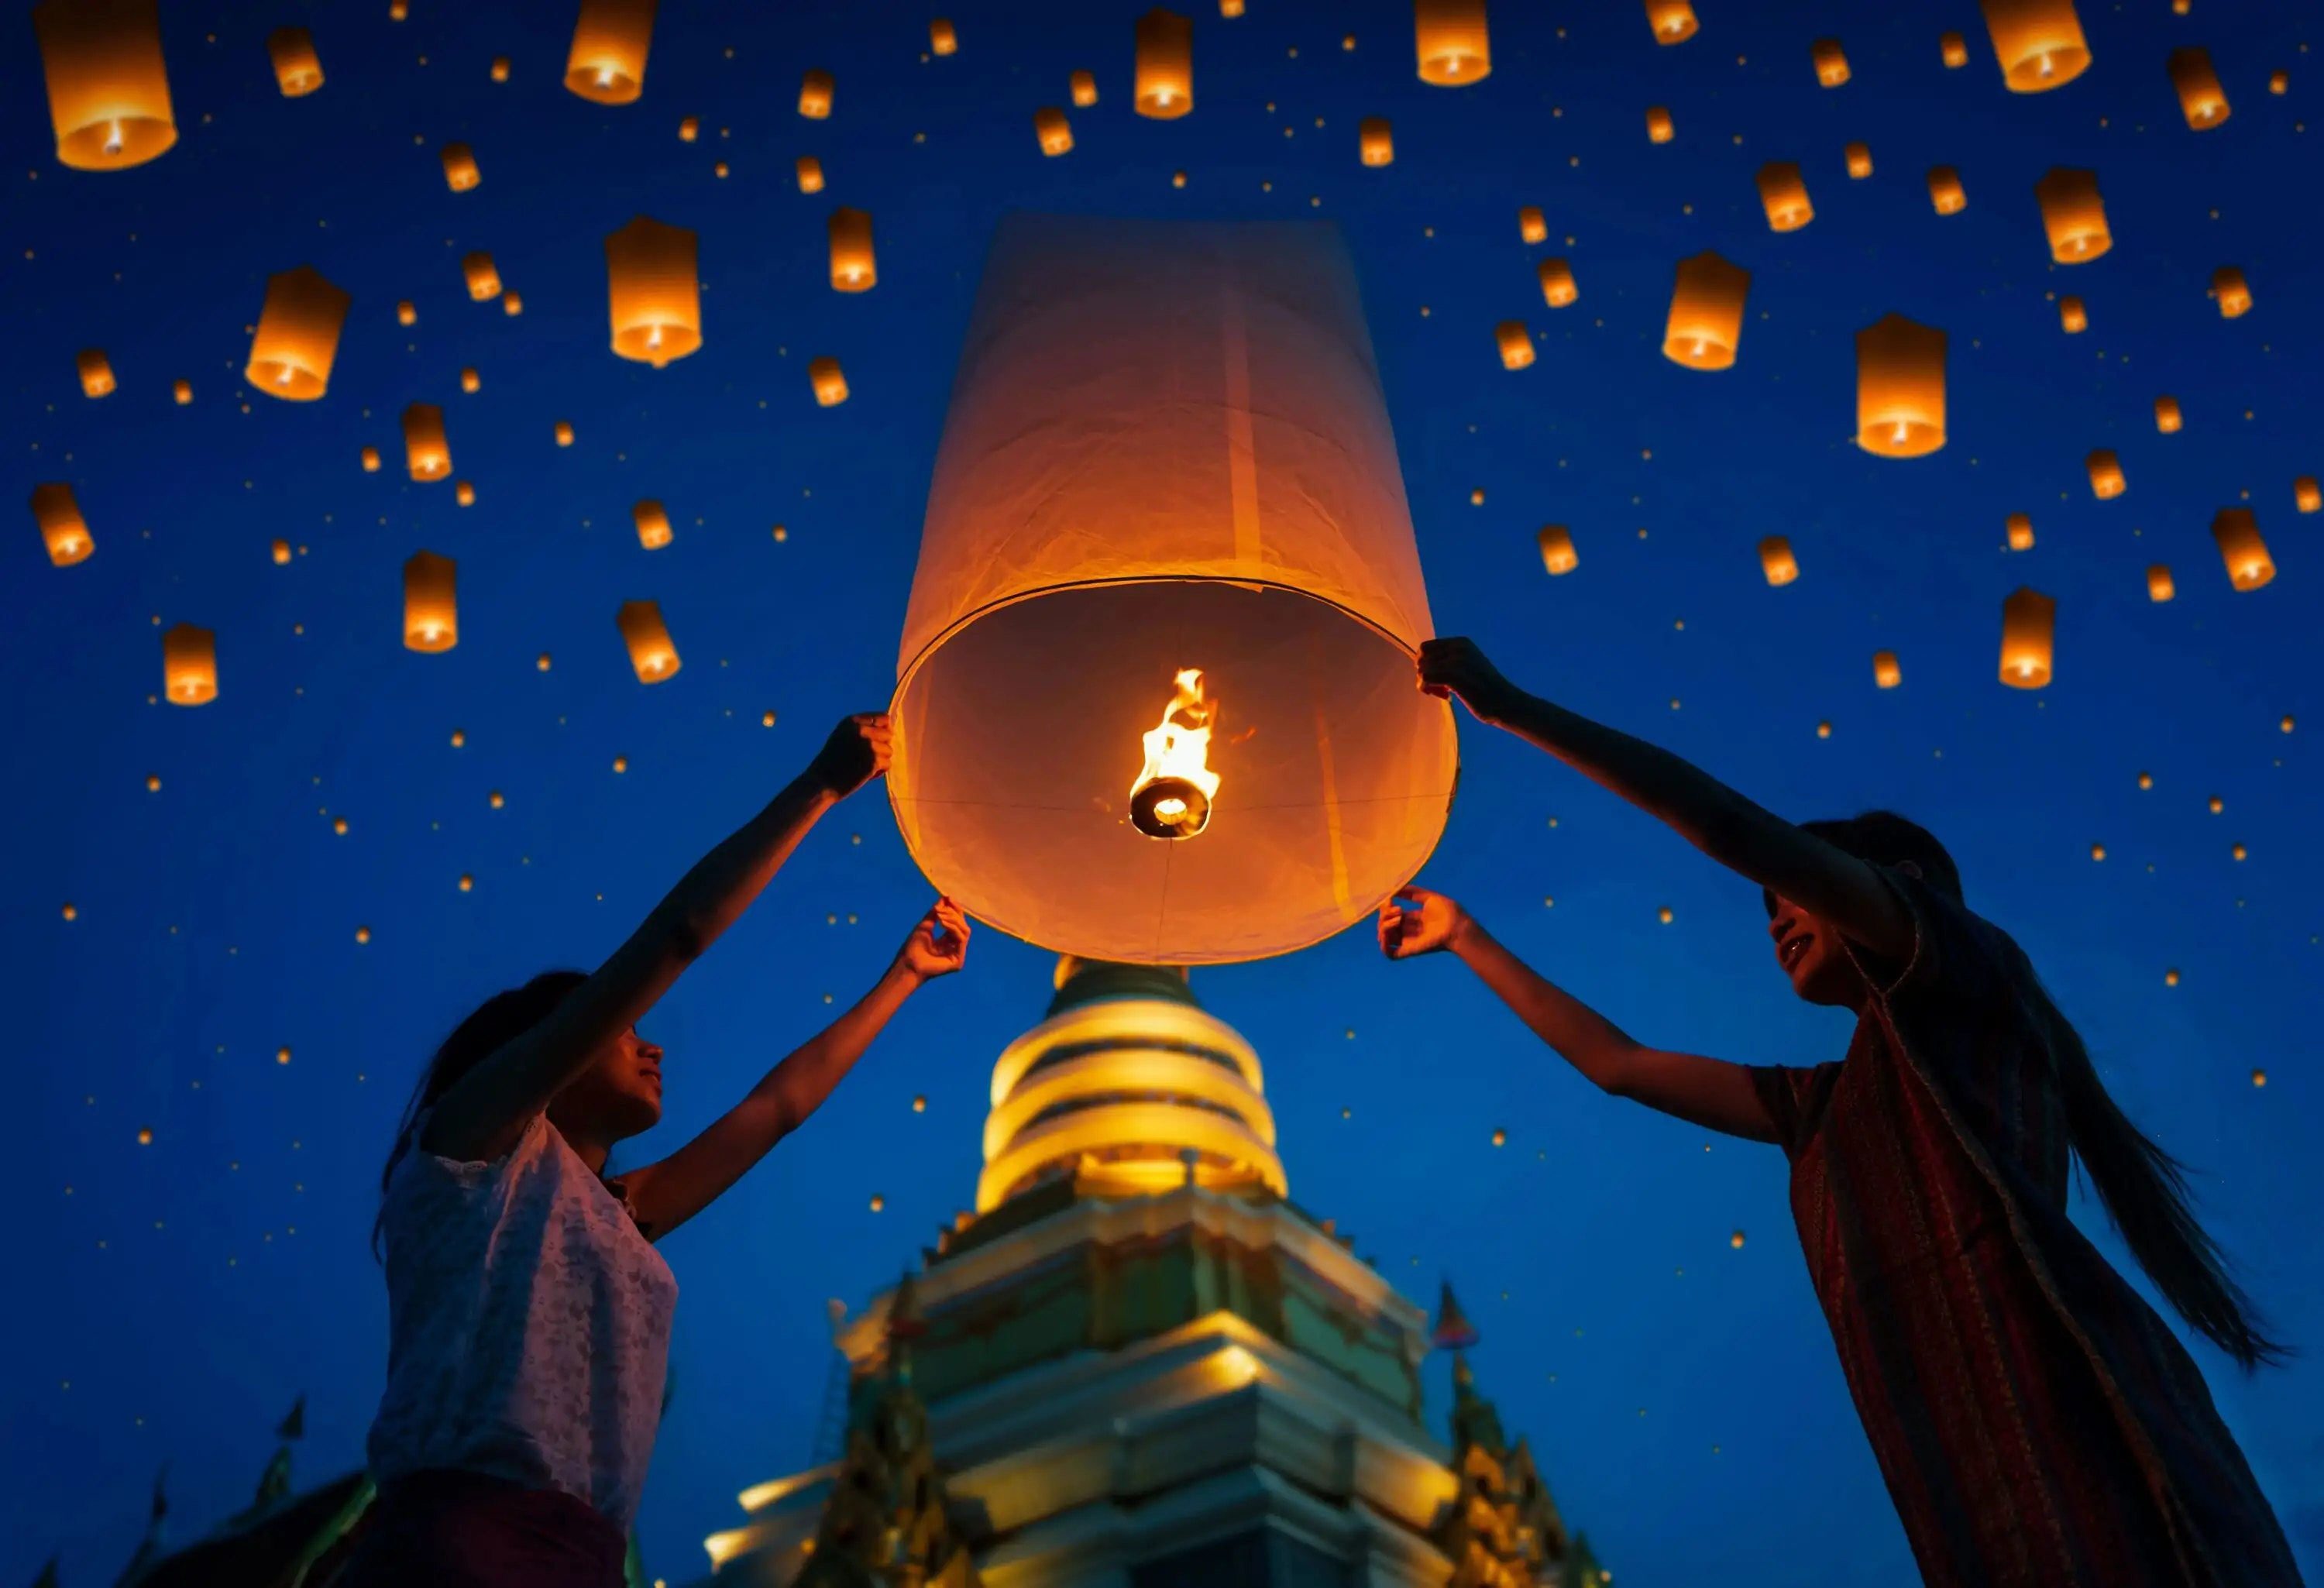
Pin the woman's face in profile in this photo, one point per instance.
(1811, 955)
(620, 1095)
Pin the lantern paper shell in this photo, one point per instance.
(1830, 62)
(1885, 672)
(427, 452)
(1531, 226)
(1208, 393)
(432, 607)
(1375, 141)
(2167, 418)
(298, 335)
(2305, 493)
(607, 62)
(297, 70)
(853, 267)
(943, 38)
(1673, 20)
(1860, 160)
(371, 460)
(653, 524)
(500, 68)
(2021, 532)
(1557, 287)
(2106, 475)
(815, 94)
(810, 174)
(183, 391)
(564, 432)
(460, 172)
(2279, 82)
(2236, 530)
(1945, 190)
(653, 293)
(2234, 294)
(2073, 214)
(1557, 553)
(1515, 344)
(483, 278)
(1954, 48)
(2202, 99)
(406, 313)
(1900, 388)
(2159, 587)
(688, 129)
(1051, 130)
(1659, 129)
(96, 372)
(1777, 561)
(1451, 38)
(830, 384)
(2072, 317)
(1784, 195)
(108, 90)
(1164, 88)
(1084, 88)
(2029, 625)
(63, 531)
(1706, 312)
(2038, 43)
(651, 654)
(189, 665)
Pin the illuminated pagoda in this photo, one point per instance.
(1138, 1363)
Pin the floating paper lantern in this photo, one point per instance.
(1054, 133)
(651, 654)
(1673, 20)
(1165, 86)
(183, 391)
(1945, 190)
(464, 492)
(2073, 214)
(830, 386)
(810, 174)
(942, 40)
(471, 381)
(1531, 226)
(2305, 494)
(2279, 82)
(607, 62)
(2166, 415)
(688, 129)
(2236, 530)
(189, 665)
(2106, 475)
(1954, 48)
(1515, 344)
(1860, 160)
(1885, 673)
(432, 607)
(653, 524)
(1900, 388)
(1375, 141)
(2021, 532)
(483, 279)
(63, 531)
(1557, 287)
(1659, 129)
(460, 172)
(2072, 317)
(2029, 624)
(108, 90)
(653, 293)
(96, 372)
(564, 432)
(281, 552)
(853, 267)
(1557, 553)
(1084, 88)
(1784, 195)
(427, 452)
(1830, 62)
(298, 335)
(371, 460)
(1777, 561)
(297, 70)
(2038, 43)
(2159, 588)
(1207, 393)
(2234, 294)
(406, 313)
(1452, 42)
(815, 94)
(1230, 8)
(2202, 99)
(1706, 312)
(500, 68)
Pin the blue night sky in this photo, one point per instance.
(171, 1299)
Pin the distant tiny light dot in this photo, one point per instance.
(497, 800)
(1823, 730)
(827, 998)
(2259, 1078)
(621, 763)
(2097, 852)
(71, 912)
(2146, 780)
(1665, 914)
(1500, 1138)
(466, 883)
(543, 663)
(145, 1138)
(340, 826)
(283, 1055)
(363, 934)
(458, 738)
(920, 1105)
(1735, 1240)
(2171, 978)
(152, 782)
(767, 720)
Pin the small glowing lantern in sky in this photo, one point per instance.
(1784, 194)
(651, 654)
(1860, 160)
(371, 460)
(2279, 82)
(482, 277)
(688, 129)
(830, 384)
(297, 70)
(2038, 43)
(96, 372)
(564, 432)
(1531, 226)
(2234, 294)
(2166, 415)
(1557, 287)
(1230, 8)
(426, 450)
(2305, 493)
(2073, 214)
(2106, 475)
(2159, 586)
(653, 524)
(2029, 626)
(189, 665)
(1451, 39)
(1830, 62)
(281, 550)
(2072, 317)
(298, 335)
(1777, 561)
(1954, 48)
(1557, 553)
(1165, 65)
(943, 38)
(432, 607)
(108, 90)
(810, 174)
(1673, 20)
(1084, 88)
(1375, 141)
(1945, 190)
(607, 62)
(406, 313)
(853, 267)
(1900, 388)
(1171, 798)
(815, 94)
(2020, 527)
(1208, 393)
(460, 172)
(1706, 312)
(2202, 99)
(470, 380)
(1052, 130)
(653, 294)
(2236, 530)
(63, 531)
(1659, 129)
(500, 68)
(183, 391)
(464, 492)
(1515, 344)
(1885, 673)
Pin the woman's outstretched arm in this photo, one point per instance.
(1739, 834)
(666, 1194)
(481, 1117)
(1707, 1092)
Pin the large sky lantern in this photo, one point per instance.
(853, 267)
(652, 655)
(2029, 630)
(2107, 482)
(2236, 531)
(815, 88)
(298, 335)
(431, 606)
(1673, 20)
(2038, 43)
(654, 292)
(652, 520)
(1375, 141)
(1830, 62)
(482, 275)
(427, 451)
(2167, 418)
(2201, 100)
(1706, 312)
(1777, 562)
(63, 531)
(96, 372)
(1532, 225)
(830, 382)
(1784, 195)
(1558, 554)
(189, 674)
(1052, 131)
(2232, 293)
(1163, 86)
(1946, 193)
(1557, 285)
(607, 62)
(1452, 42)
(461, 172)
(1515, 344)
(108, 90)
(1900, 388)
(1167, 502)
(297, 70)
(2073, 214)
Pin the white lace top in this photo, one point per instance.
(528, 1324)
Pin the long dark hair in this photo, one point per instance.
(2143, 1188)
(498, 1020)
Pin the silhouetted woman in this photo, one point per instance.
(2037, 1423)
(528, 1312)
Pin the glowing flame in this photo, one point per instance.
(1181, 785)
(113, 137)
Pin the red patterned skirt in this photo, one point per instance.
(450, 1529)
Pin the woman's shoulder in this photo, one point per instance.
(421, 1165)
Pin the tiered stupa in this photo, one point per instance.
(1138, 1365)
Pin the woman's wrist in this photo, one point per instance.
(1466, 934)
